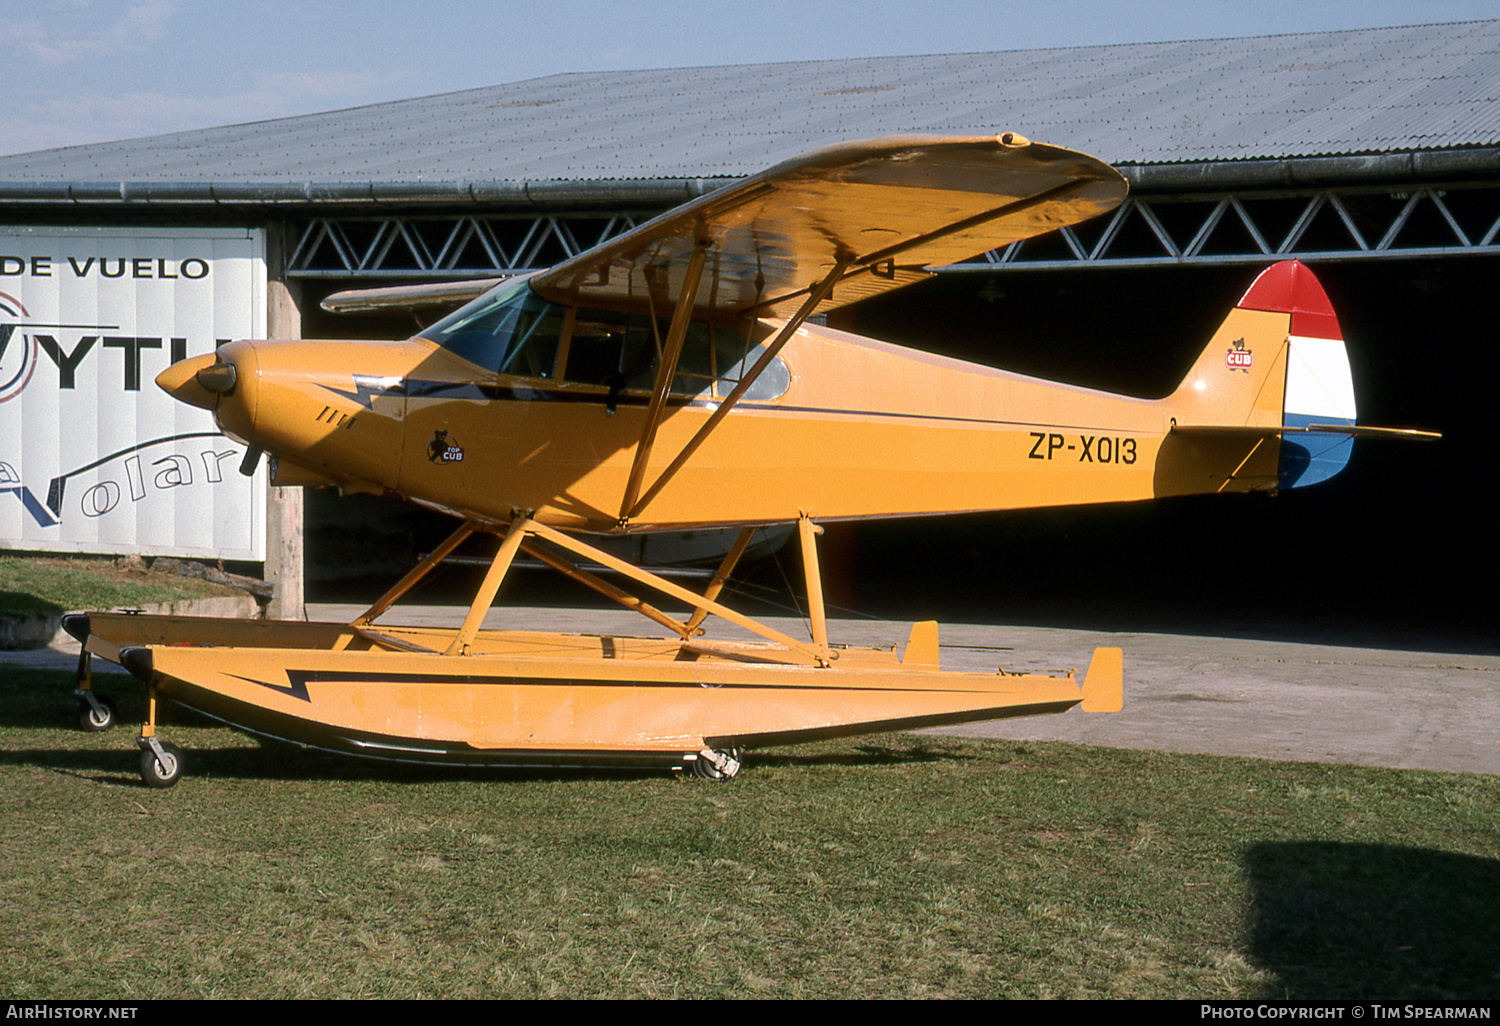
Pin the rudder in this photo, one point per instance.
(1319, 383)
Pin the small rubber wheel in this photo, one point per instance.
(724, 764)
(94, 720)
(157, 772)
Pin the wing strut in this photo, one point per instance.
(797, 651)
(671, 352)
(720, 578)
(815, 295)
(414, 575)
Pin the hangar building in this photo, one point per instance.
(1374, 155)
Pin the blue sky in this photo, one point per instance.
(88, 71)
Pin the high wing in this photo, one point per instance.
(886, 208)
(878, 212)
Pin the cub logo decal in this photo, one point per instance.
(443, 449)
(1239, 358)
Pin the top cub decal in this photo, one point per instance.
(443, 449)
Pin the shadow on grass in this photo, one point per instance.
(863, 755)
(1350, 921)
(33, 699)
(276, 760)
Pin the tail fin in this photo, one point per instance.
(1319, 384)
(1276, 370)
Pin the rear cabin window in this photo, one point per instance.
(513, 331)
(622, 351)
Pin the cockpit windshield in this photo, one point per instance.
(508, 330)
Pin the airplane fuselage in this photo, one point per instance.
(847, 428)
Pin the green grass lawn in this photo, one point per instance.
(50, 586)
(892, 866)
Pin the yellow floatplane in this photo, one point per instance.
(674, 378)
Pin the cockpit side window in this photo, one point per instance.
(623, 352)
(512, 331)
(533, 347)
(772, 383)
(611, 348)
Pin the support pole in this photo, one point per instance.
(285, 506)
(491, 585)
(807, 533)
(1253, 450)
(148, 729)
(797, 651)
(604, 588)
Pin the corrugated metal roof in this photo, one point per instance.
(1290, 96)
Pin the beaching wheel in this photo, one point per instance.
(161, 770)
(96, 715)
(718, 763)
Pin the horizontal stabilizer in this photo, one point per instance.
(1352, 430)
(408, 297)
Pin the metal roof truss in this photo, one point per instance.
(1343, 223)
(1248, 227)
(447, 247)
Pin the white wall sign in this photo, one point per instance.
(93, 456)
